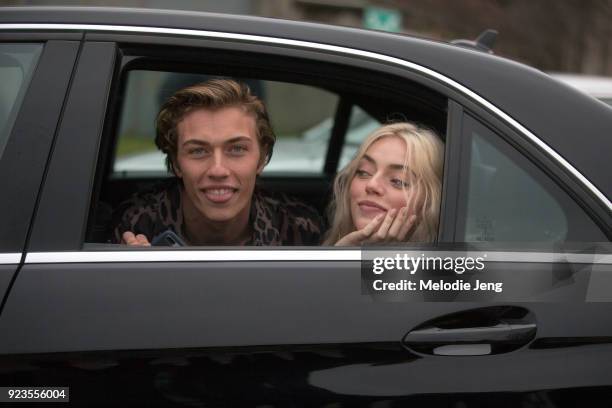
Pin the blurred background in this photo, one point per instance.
(552, 35)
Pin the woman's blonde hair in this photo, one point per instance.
(424, 162)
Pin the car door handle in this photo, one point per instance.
(502, 332)
(497, 335)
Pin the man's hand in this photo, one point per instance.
(129, 238)
(392, 227)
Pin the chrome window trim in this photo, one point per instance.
(289, 255)
(335, 49)
(10, 258)
(189, 255)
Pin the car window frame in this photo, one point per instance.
(134, 52)
(505, 144)
(74, 242)
(569, 178)
(75, 148)
(33, 139)
(550, 168)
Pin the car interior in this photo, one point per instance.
(320, 114)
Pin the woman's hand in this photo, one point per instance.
(393, 226)
(129, 238)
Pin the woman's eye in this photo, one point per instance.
(398, 183)
(362, 173)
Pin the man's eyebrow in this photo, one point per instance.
(238, 139)
(195, 142)
(200, 142)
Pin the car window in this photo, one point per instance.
(509, 199)
(302, 118)
(17, 62)
(360, 126)
(320, 116)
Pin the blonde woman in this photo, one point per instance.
(390, 191)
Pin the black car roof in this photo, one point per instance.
(571, 123)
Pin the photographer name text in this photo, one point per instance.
(432, 285)
(411, 264)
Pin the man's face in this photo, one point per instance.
(218, 159)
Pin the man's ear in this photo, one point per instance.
(176, 169)
(260, 167)
(263, 161)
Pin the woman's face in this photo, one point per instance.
(380, 182)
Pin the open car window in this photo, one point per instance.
(319, 118)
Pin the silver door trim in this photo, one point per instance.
(292, 255)
(10, 258)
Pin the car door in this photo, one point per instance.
(35, 71)
(277, 326)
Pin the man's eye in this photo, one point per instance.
(237, 149)
(196, 151)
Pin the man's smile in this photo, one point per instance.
(219, 194)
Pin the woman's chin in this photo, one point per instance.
(361, 222)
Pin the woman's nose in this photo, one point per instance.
(374, 185)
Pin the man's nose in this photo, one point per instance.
(218, 168)
(374, 185)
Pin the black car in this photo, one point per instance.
(526, 180)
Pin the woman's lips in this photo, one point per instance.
(219, 195)
(370, 209)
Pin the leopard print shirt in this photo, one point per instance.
(276, 219)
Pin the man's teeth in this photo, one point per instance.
(219, 191)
